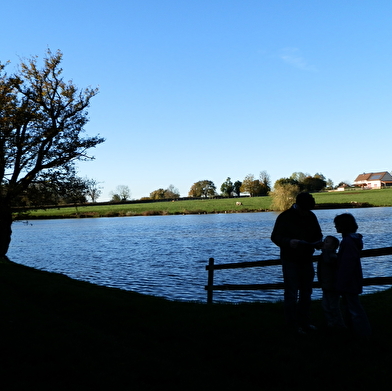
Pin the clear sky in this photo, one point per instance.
(210, 89)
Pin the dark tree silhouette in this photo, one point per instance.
(42, 121)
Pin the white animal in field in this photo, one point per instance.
(238, 203)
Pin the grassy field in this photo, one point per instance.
(62, 334)
(226, 205)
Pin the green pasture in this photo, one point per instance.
(225, 205)
(379, 197)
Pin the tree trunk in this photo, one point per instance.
(5, 228)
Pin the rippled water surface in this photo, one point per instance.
(166, 255)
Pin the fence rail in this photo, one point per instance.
(211, 267)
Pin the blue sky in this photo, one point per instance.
(196, 89)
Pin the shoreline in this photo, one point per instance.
(120, 213)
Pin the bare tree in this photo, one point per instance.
(265, 180)
(94, 191)
(123, 192)
(172, 192)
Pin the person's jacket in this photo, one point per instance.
(327, 266)
(294, 224)
(349, 273)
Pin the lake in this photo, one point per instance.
(166, 255)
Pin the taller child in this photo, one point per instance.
(349, 274)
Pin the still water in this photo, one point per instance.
(166, 255)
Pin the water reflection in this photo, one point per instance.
(166, 255)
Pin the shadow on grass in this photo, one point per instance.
(62, 334)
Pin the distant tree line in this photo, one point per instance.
(250, 185)
(260, 186)
(69, 190)
(76, 190)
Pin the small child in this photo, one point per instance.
(326, 274)
(349, 274)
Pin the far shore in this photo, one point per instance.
(324, 200)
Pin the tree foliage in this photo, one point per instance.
(299, 176)
(237, 188)
(74, 191)
(161, 194)
(42, 121)
(284, 195)
(227, 188)
(115, 197)
(71, 189)
(248, 185)
(256, 187)
(305, 182)
(172, 192)
(286, 181)
(265, 180)
(329, 183)
(312, 184)
(203, 189)
(158, 194)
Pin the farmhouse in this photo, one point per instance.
(374, 180)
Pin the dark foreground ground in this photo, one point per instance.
(62, 334)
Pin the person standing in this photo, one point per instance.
(326, 274)
(349, 274)
(297, 232)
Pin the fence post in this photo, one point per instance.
(210, 281)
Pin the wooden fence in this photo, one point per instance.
(211, 267)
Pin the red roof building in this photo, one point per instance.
(374, 180)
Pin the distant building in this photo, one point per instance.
(373, 180)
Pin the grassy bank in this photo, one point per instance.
(228, 205)
(62, 334)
